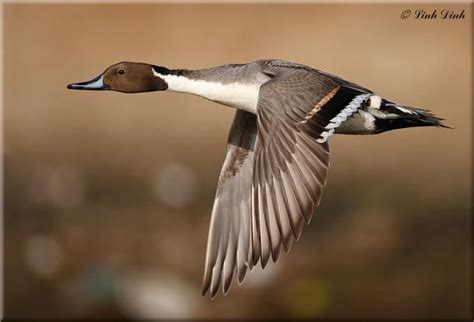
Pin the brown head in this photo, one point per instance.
(126, 77)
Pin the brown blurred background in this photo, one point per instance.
(108, 196)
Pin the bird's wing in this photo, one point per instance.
(298, 109)
(229, 238)
(275, 168)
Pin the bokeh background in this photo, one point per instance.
(108, 196)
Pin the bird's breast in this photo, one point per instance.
(241, 95)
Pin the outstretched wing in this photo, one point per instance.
(275, 168)
(229, 233)
(298, 109)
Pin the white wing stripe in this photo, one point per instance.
(342, 116)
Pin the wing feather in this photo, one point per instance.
(275, 169)
(230, 228)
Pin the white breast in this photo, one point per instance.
(238, 95)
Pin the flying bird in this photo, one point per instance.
(277, 151)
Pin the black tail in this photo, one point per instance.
(399, 116)
(426, 118)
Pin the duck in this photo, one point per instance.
(277, 157)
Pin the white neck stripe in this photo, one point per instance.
(238, 95)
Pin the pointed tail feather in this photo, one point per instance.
(412, 116)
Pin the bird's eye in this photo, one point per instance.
(121, 71)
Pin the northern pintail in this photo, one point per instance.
(277, 152)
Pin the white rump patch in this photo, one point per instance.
(336, 121)
(375, 101)
(238, 95)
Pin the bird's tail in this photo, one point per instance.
(406, 116)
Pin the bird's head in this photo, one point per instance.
(127, 77)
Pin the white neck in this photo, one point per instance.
(238, 95)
